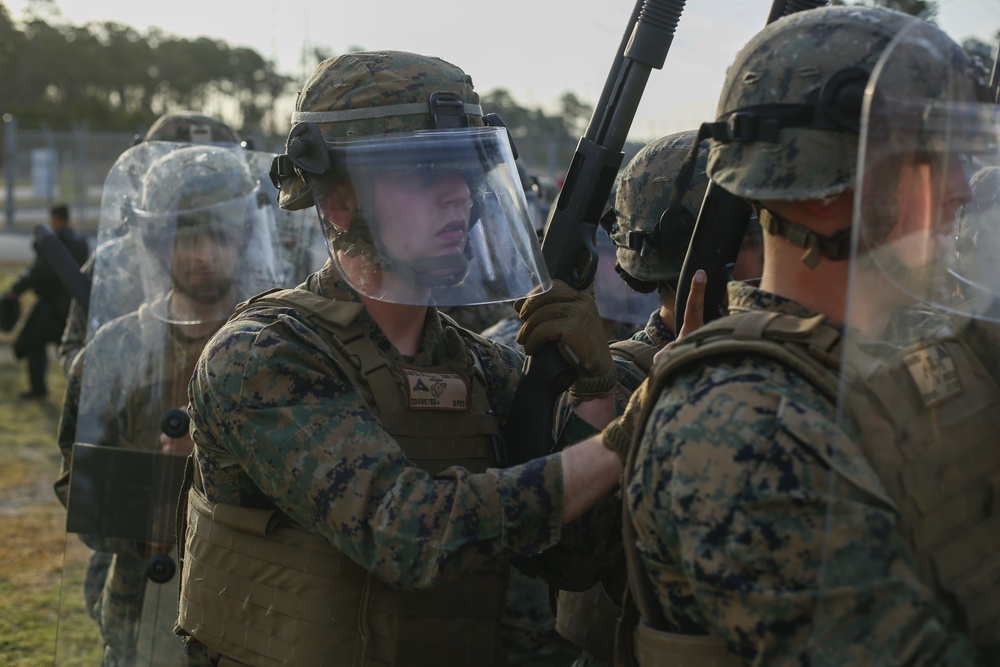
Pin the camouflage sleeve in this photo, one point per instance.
(731, 501)
(655, 332)
(274, 416)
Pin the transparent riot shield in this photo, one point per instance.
(196, 237)
(911, 542)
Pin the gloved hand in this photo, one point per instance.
(569, 318)
(617, 435)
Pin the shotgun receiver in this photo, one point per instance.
(722, 222)
(568, 245)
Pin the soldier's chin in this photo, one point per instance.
(208, 292)
(443, 271)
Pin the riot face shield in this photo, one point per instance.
(199, 239)
(911, 528)
(301, 247)
(434, 217)
(615, 300)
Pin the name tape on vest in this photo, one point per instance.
(933, 372)
(427, 390)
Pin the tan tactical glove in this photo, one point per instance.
(617, 435)
(569, 318)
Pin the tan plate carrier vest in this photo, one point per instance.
(260, 591)
(939, 463)
(588, 618)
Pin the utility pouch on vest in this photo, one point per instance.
(655, 648)
(588, 619)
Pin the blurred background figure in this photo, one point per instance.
(115, 251)
(202, 241)
(48, 316)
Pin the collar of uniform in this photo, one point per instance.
(745, 297)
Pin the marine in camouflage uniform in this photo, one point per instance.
(197, 219)
(119, 292)
(794, 493)
(346, 507)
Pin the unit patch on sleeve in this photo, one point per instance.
(427, 390)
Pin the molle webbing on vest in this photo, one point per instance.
(369, 622)
(811, 348)
(232, 554)
(943, 472)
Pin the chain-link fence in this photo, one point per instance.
(42, 167)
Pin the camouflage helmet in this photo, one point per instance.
(194, 177)
(646, 251)
(374, 93)
(789, 114)
(195, 185)
(191, 127)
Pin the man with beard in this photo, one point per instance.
(203, 241)
(812, 478)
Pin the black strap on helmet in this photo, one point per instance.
(835, 107)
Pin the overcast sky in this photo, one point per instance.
(536, 49)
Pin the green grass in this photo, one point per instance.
(33, 550)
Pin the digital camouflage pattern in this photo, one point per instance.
(124, 387)
(276, 423)
(643, 195)
(787, 63)
(729, 501)
(505, 331)
(369, 80)
(655, 333)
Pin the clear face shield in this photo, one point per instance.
(435, 217)
(920, 239)
(913, 447)
(616, 300)
(207, 240)
(183, 238)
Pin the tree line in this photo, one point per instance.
(107, 76)
(111, 77)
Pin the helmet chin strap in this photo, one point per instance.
(836, 247)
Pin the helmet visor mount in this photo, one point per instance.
(432, 217)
